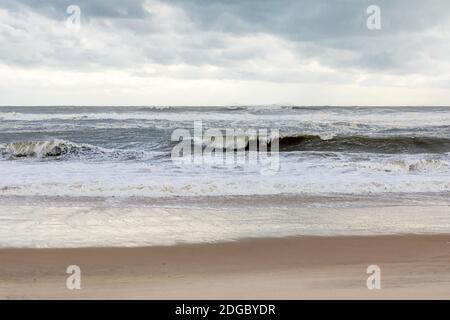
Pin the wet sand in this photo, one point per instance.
(412, 266)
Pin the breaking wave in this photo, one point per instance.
(60, 149)
(330, 143)
(390, 145)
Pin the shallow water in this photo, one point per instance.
(62, 227)
(125, 152)
(102, 176)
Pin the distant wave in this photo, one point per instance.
(264, 117)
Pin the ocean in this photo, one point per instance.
(103, 161)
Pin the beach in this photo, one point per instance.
(108, 189)
(412, 267)
(224, 150)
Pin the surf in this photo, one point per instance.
(370, 144)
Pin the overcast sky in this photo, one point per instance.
(222, 52)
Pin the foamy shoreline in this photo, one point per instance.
(80, 226)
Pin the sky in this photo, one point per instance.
(224, 52)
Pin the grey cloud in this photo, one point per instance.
(314, 19)
(333, 33)
(90, 8)
(322, 25)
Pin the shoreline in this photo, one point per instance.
(341, 200)
(307, 267)
(84, 227)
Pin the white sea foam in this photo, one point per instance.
(307, 174)
(39, 149)
(84, 226)
(353, 119)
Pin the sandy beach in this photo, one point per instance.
(224, 150)
(412, 267)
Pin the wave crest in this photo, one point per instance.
(330, 143)
(392, 144)
(61, 150)
(43, 149)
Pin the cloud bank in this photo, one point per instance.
(217, 52)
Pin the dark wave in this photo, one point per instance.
(352, 144)
(60, 149)
(390, 145)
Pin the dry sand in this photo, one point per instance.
(412, 266)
